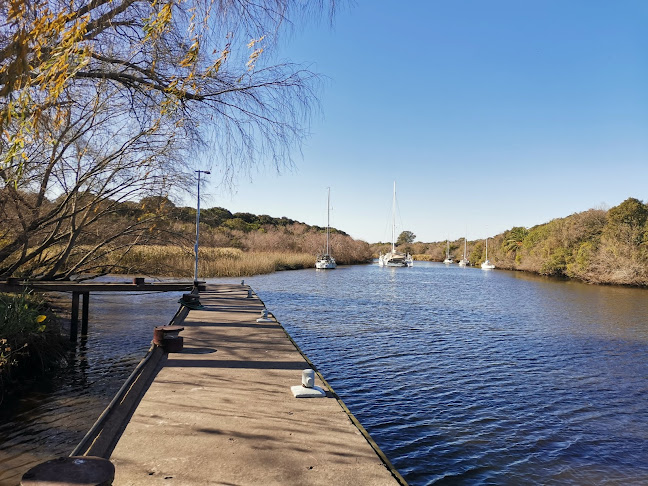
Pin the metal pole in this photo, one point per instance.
(198, 227)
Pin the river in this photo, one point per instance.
(462, 376)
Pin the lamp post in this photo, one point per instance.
(198, 226)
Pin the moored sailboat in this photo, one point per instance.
(395, 258)
(447, 258)
(464, 259)
(326, 261)
(487, 265)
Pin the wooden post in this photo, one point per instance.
(74, 321)
(84, 313)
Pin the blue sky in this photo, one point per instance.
(487, 114)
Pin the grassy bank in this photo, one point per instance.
(213, 262)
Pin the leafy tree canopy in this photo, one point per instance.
(406, 237)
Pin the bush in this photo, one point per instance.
(30, 337)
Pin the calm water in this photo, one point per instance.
(462, 376)
(465, 376)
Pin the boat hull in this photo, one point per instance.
(392, 260)
(325, 265)
(487, 265)
(326, 262)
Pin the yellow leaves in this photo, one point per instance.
(157, 24)
(40, 319)
(255, 54)
(215, 67)
(192, 54)
(16, 10)
(48, 51)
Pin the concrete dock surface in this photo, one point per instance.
(222, 411)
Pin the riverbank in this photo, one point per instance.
(596, 246)
(167, 261)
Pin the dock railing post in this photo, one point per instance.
(84, 313)
(74, 320)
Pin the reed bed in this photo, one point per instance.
(213, 262)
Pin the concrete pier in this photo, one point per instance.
(222, 412)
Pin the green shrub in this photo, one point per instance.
(30, 336)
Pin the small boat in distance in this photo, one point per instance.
(487, 265)
(447, 258)
(326, 261)
(395, 258)
(464, 261)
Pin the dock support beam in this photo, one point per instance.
(74, 321)
(84, 313)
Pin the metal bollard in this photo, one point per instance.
(71, 471)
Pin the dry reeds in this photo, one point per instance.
(213, 262)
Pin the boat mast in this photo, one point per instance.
(394, 220)
(487, 248)
(328, 218)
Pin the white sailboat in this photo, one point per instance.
(326, 261)
(395, 258)
(447, 258)
(464, 260)
(487, 265)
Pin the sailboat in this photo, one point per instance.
(487, 265)
(326, 261)
(464, 261)
(447, 258)
(395, 258)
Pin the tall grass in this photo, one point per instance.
(213, 262)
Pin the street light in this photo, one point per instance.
(198, 226)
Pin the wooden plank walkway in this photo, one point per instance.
(222, 412)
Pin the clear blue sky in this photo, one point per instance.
(488, 114)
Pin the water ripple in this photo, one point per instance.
(471, 377)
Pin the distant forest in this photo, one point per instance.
(596, 246)
(106, 236)
(220, 228)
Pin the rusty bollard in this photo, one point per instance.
(71, 471)
(168, 337)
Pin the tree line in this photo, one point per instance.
(596, 246)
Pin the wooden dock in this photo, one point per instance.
(81, 293)
(222, 412)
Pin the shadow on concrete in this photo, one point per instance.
(229, 363)
(186, 350)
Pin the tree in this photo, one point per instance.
(406, 237)
(104, 102)
(514, 238)
(627, 222)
